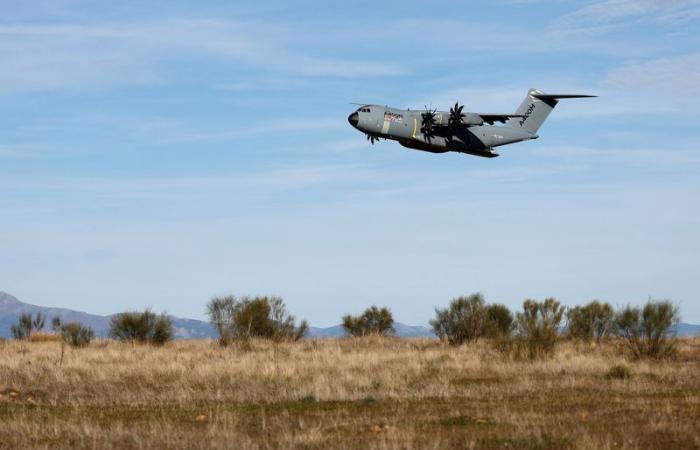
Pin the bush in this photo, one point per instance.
(56, 323)
(76, 334)
(264, 317)
(23, 328)
(144, 327)
(647, 332)
(619, 372)
(374, 321)
(499, 321)
(538, 326)
(464, 320)
(26, 326)
(592, 321)
(38, 322)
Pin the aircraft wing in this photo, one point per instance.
(503, 118)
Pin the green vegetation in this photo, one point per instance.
(26, 325)
(538, 326)
(374, 321)
(467, 319)
(259, 317)
(647, 331)
(142, 327)
(592, 321)
(76, 334)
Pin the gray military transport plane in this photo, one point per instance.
(456, 131)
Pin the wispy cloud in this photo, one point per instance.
(667, 158)
(12, 152)
(47, 57)
(679, 76)
(606, 15)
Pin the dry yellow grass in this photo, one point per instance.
(355, 393)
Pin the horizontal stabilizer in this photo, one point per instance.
(560, 96)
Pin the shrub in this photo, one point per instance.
(373, 321)
(538, 326)
(264, 317)
(647, 332)
(38, 322)
(619, 372)
(464, 320)
(56, 323)
(23, 328)
(592, 321)
(26, 326)
(499, 321)
(76, 334)
(144, 327)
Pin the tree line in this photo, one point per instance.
(646, 331)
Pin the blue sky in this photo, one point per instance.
(159, 153)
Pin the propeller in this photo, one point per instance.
(456, 116)
(372, 138)
(428, 123)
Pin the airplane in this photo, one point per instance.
(456, 131)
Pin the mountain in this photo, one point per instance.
(11, 308)
(687, 329)
(401, 329)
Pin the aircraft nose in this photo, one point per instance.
(354, 119)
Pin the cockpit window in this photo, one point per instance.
(363, 109)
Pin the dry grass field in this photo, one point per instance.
(354, 393)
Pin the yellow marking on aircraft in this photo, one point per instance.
(385, 127)
(415, 125)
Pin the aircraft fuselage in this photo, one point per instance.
(404, 126)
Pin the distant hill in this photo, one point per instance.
(11, 308)
(401, 329)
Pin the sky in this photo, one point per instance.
(160, 153)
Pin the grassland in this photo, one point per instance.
(355, 393)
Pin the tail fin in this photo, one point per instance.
(536, 108)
